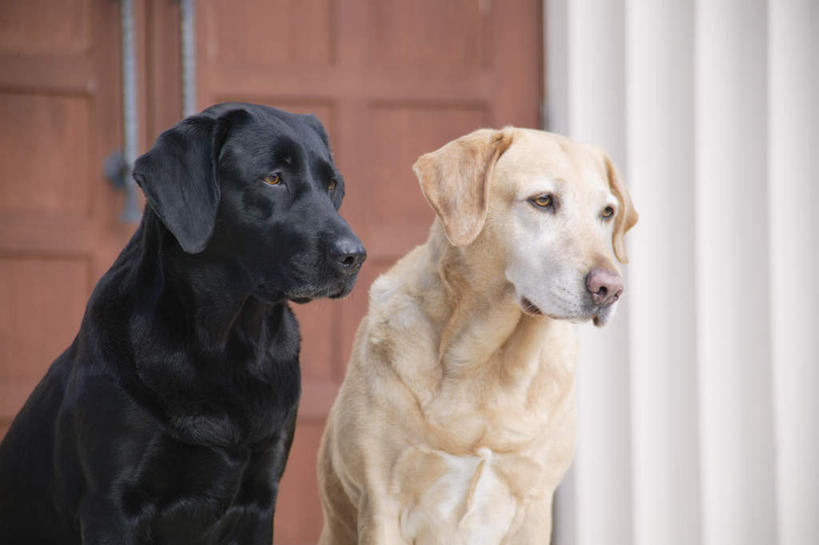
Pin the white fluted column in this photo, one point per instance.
(793, 196)
(732, 252)
(699, 406)
(660, 127)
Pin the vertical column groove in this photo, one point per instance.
(733, 329)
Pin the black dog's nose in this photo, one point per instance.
(349, 254)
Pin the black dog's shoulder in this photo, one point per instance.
(139, 337)
(30, 444)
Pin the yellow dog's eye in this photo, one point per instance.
(543, 201)
(332, 185)
(273, 179)
(607, 213)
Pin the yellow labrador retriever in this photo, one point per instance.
(456, 419)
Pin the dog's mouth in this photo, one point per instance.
(601, 317)
(339, 294)
(333, 292)
(529, 307)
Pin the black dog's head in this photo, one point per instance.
(258, 187)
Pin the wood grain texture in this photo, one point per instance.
(59, 117)
(43, 303)
(37, 27)
(44, 153)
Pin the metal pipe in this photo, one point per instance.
(130, 212)
(188, 42)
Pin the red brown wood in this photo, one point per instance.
(389, 79)
(59, 110)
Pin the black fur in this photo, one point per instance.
(170, 417)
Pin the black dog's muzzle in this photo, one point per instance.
(347, 254)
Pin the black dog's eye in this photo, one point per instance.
(608, 213)
(273, 179)
(543, 201)
(332, 185)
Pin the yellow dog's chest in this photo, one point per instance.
(476, 500)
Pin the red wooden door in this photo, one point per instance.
(59, 118)
(390, 80)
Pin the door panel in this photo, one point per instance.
(270, 33)
(43, 302)
(424, 33)
(43, 311)
(390, 80)
(45, 157)
(59, 117)
(46, 27)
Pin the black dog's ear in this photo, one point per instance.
(179, 176)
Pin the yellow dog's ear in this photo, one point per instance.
(626, 214)
(455, 180)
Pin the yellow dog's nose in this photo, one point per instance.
(605, 286)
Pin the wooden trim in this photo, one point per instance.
(37, 233)
(47, 75)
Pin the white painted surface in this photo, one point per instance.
(793, 182)
(660, 141)
(733, 319)
(699, 404)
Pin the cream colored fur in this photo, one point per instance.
(456, 420)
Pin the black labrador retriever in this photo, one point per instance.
(170, 417)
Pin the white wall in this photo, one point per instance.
(699, 405)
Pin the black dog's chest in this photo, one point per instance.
(192, 494)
